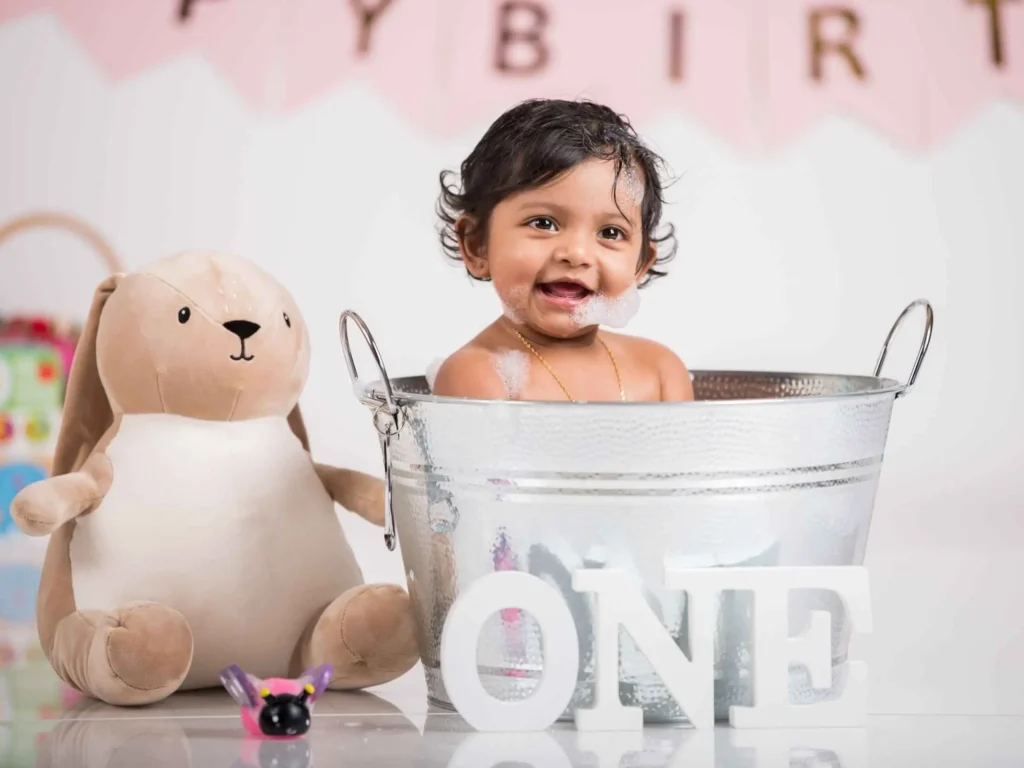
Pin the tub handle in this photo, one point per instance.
(346, 346)
(922, 350)
(386, 427)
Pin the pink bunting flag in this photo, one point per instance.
(390, 44)
(239, 38)
(750, 70)
(975, 54)
(861, 59)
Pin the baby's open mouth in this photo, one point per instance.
(565, 290)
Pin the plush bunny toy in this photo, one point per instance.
(190, 528)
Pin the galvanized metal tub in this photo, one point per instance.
(763, 469)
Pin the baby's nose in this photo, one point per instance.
(575, 253)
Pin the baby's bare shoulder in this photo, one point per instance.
(641, 349)
(470, 372)
(671, 370)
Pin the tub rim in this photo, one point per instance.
(373, 394)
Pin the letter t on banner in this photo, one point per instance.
(975, 54)
(995, 28)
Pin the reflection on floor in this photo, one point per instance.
(43, 724)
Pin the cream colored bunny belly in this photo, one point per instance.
(226, 522)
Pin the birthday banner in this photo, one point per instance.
(757, 72)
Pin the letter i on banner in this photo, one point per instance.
(974, 51)
(388, 44)
(857, 58)
(689, 59)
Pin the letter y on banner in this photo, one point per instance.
(389, 44)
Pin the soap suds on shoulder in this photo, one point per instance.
(513, 366)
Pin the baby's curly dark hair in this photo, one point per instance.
(535, 142)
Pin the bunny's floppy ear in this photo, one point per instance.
(299, 426)
(87, 412)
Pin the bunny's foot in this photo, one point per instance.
(137, 654)
(368, 635)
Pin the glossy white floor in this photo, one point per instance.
(42, 723)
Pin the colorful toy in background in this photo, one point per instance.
(35, 359)
(32, 376)
(43, 334)
(276, 708)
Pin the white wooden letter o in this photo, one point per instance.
(466, 618)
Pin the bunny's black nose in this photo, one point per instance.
(243, 329)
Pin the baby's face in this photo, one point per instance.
(552, 250)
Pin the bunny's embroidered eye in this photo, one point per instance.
(184, 314)
(287, 320)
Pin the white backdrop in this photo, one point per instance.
(795, 260)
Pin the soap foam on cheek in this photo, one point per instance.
(611, 312)
(513, 367)
(513, 306)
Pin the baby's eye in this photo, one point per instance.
(613, 233)
(542, 222)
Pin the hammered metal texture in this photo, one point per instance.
(783, 472)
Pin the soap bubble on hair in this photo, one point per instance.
(632, 185)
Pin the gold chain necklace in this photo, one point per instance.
(615, 365)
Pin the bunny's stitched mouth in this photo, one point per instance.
(241, 355)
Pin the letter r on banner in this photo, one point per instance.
(821, 44)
